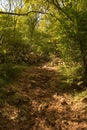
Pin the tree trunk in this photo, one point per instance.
(84, 60)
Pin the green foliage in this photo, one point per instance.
(81, 96)
(9, 72)
(51, 27)
(71, 74)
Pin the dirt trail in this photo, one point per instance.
(34, 102)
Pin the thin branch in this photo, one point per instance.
(57, 5)
(25, 14)
(11, 13)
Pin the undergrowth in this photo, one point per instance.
(71, 76)
(8, 73)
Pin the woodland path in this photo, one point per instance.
(34, 102)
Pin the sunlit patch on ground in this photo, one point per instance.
(10, 112)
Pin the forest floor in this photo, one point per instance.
(35, 102)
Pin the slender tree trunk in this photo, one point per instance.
(83, 54)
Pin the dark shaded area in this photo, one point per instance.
(9, 72)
